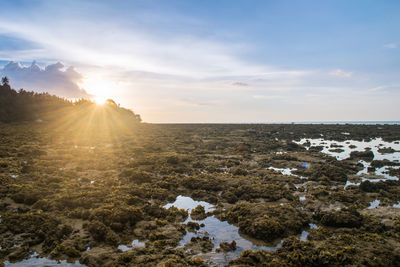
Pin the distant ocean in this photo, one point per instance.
(295, 122)
(347, 122)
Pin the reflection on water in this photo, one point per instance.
(284, 171)
(218, 231)
(135, 244)
(382, 174)
(188, 204)
(35, 261)
(374, 204)
(221, 231)
(348, 183)
(287, 171)
(304, 233)
(349, 146)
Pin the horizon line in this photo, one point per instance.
(286, 122)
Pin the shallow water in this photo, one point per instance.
(284, 171)
(287, 171)
(135, 244)
(218, 231)
(187, 203)
(221, 231)
(374, 144)
(348, 183)
(304, 233)
(34, 261)
(374, 204)
(382, 174)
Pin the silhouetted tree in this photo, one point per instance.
(5, 81)
(111, 102)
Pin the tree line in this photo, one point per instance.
(22, 105)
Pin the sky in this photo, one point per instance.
(211, 61)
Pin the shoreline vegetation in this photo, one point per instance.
(21, 105)
(91, 185)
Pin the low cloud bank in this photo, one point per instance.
(54, 79)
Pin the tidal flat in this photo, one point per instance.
(200, 195)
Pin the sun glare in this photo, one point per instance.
(100, 88)
(100, 100)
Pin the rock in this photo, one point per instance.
(198, 213)
(226, 246)
(192, 226)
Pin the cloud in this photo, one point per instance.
(240, 84)
(385, 88)
(194, 102)
(268, 97)
(131, 49)
(341, 73)
(52, 79)
(390, 46)
(170, 69)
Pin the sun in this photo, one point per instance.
(100, 100)
(100, 88)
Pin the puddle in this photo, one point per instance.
(135, 244)
(221, 231)
(304, 235)
(396, 205)
(302, 198)
(384, 171)
(35, 261)
(187, 203)
(353, 145)
(284, 171)
(287, 171)
(374, 204)
(348, 183)
(382, 174)
(218, 231)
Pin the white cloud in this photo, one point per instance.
(341, 73)
(390, 45)
(132, 50)
(267, 97)
(53, 79)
